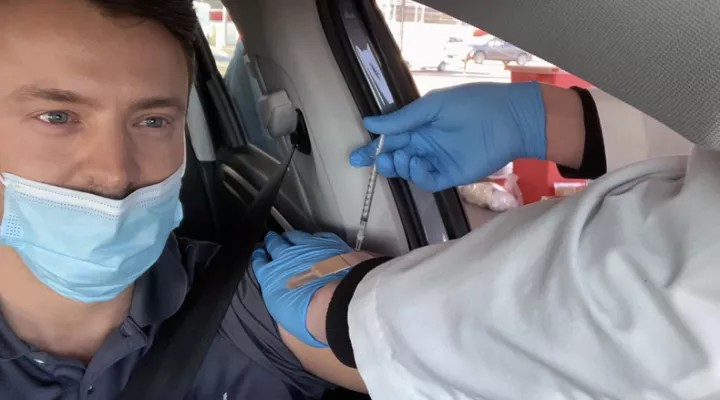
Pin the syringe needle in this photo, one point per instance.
(369, 195)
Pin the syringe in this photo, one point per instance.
(369, 194)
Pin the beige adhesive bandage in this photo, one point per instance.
(329, 267)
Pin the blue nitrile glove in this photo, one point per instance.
(458, 135)
(290, 254)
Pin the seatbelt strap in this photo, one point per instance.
(169, 368)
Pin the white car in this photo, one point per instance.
(457, 48)
(423, 58)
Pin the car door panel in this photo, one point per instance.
(229, 166)
(297, 59)
(322, 192)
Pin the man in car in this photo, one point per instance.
(608, 294)
(93, 100)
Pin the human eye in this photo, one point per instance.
(55, 117)
(154, 122)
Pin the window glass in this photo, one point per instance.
(369, 62)
(372, 70)
(233, 63)
(442, 51)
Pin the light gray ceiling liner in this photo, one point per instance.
(660, 56)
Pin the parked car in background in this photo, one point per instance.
(498, 50)
(458, 50)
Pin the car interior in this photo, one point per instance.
(322, 65)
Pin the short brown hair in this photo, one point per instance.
(177, 16)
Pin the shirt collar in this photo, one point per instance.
(160, 292)
(157, 295)
(11, 347)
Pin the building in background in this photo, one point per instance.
(217, 24)
(411, 11)
(414, 24)
(203, 11)
(411, 23)
(423, 33)
(217, 4)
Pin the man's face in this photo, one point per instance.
(89, 102)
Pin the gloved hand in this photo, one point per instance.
(458, 135)
(287, 255)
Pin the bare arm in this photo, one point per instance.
(565, 128)
(322, 362)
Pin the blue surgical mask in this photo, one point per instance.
(86, 247)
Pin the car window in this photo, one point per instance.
(243, 88)
(203, 12)
(436, 67)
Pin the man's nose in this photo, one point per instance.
(111, 168)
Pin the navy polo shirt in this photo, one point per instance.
(247, 359)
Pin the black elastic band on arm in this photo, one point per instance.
(336, 321)
(594, 163)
